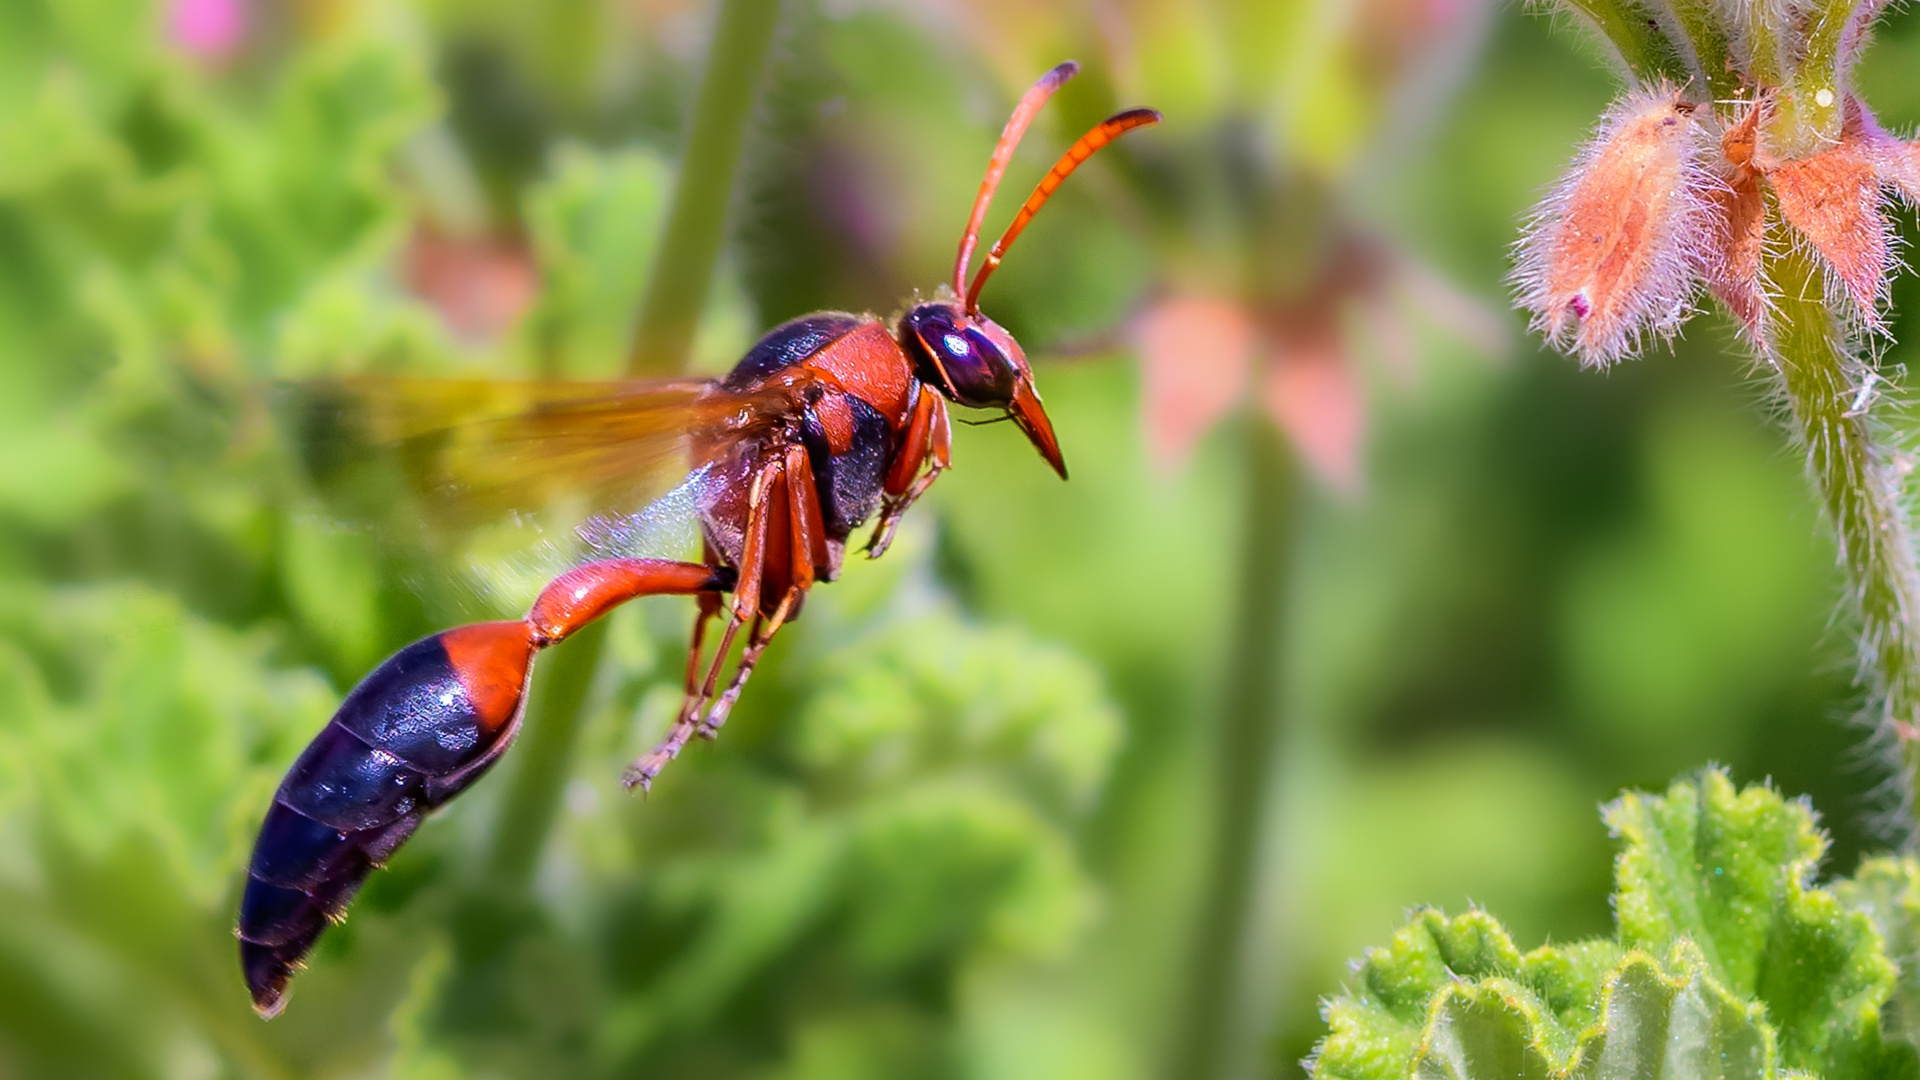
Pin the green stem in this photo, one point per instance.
(696, 222)
(1758, 24)
(1853, 460)
(1808, 115)
(1637, 37)
(1217, 1035)
(676, 293)
(545, 753)
(1698, 27)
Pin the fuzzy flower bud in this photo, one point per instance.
(1786, 222)
(1833, 199)
(1616, 249)
(1739, 211)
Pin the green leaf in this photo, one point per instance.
(1685, 1026)
(1887, 890)
(595, 223)
(937, 693)
(1455, 993)
(1732, 872)
(1729, 962)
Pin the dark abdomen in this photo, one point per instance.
(413, 734)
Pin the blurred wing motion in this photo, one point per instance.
(469, 451)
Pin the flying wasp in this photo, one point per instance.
(827, 421)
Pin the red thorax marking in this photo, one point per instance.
(836, 420)
(870, 364)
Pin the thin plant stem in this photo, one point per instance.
(1830, 392)
(1636, 36)
(1217, 1037)
(675, 296)
(552, 729)
(696, 222)
(489, 919)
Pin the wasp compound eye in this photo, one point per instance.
(958, 358)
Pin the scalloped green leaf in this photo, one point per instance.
(1887, 890)
(1654, 1027)
(1730, 962)
(1676, 1027)
(1732, 872)
(1414, 985)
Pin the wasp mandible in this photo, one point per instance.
(827, 420)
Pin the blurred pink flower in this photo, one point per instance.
(1194, 354)
(209, 29)
(1316, 398)
(479, 285)
(1200, 355)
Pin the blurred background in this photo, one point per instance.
(1355, 601)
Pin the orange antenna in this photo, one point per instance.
(1023, 115)
(1103, 133)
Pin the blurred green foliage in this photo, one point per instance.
(955, 827)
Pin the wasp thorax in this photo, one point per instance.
(955, 353)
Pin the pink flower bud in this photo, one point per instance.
(1833, 200)
(1616, 249)
(1739, 216)
(209, 29)
(1194, 352)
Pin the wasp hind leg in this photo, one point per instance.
(746, 602)
(785, 539)
(699, 691)
(806, 538)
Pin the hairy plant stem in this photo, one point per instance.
(1635, 34)
(1218, 1037)
(1830, 390)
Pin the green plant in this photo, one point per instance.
(1729, 960)
(179, 613)
(1741, 159)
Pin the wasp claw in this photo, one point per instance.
(640, 774)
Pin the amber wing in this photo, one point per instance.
(464, 452)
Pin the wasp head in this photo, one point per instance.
(976, 363)
(961, 351)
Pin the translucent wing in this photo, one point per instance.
(468, 451)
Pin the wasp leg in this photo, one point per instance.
(929, 442)
(709, 607)
(746, 604)
(805, 531)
